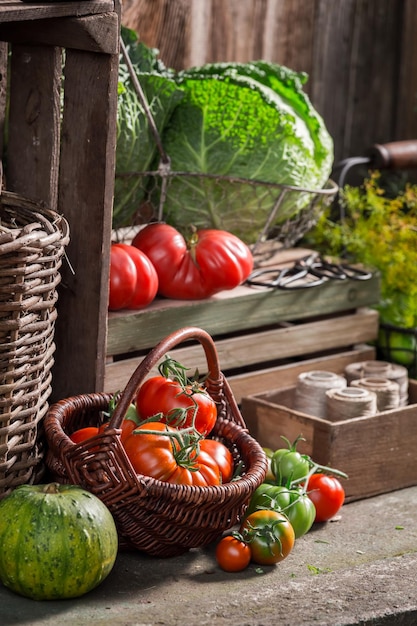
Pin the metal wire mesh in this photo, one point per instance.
(253, 210)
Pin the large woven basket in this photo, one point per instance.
(158, 518)
(32, 241)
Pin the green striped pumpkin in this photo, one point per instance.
(56, 541)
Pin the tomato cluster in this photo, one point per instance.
(297, 493)
(164, 432)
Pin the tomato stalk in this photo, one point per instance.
(186, 450)
(321, 468)
(268, 533)
(170, 368)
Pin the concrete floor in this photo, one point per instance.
(360, 569)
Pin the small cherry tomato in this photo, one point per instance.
(327, 494)
(233, 554)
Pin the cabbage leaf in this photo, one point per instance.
(250, 121)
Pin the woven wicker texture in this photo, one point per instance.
(159, 518)
(32, 241)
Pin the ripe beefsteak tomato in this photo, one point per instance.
(154, 450)
(210, 261)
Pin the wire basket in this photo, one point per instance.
(261, 210)
(32, 241)
(156, 517)
(282, 213)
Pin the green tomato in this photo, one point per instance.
(270, 536)
(288, 465)
(293, 503)
(300, 512)
(270, 497)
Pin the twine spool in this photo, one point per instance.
(310, 392)
(350, 402)
(387, 391)
(383, 369)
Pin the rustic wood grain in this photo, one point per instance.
(266, 346)
(265, 379)
(163, 24)
(92, 33)
(406, 119)
(16, 10)
(240, 309)
(85, 198)
(34, 131)
(3, 92)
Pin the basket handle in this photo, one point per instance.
(153, 357)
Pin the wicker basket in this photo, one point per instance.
(158, 518)
(32, 241)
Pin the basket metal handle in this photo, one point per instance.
(184, 334)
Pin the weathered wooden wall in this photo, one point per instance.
(360, 55)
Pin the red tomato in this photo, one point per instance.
(84, 433)
(211, 261)
(146, 279)
(179, 406)
(221, 455)
(327, 494)
(232, 554)
(160, 456)
(127, 427)
(122, 278)
(133, 278)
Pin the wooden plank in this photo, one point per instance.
(15, 10)
(267, 346)
(162, 24)
(85, 198)
(95, 33)
(406, 118)
(240, 309)
(3, 93)
(34, 128)
(263, 380)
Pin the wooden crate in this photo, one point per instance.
(376, 452)
(254, 328)
(58, 103)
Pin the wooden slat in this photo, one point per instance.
(264, 380)
(240, 309)
(3, 92)
(95, 33)
(85, 198)
(34, 128)
(265, 346)
(406, 119)
(16, 10)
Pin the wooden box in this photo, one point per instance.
(377, 453)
